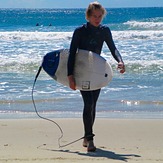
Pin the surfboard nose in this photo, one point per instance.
(50, 62)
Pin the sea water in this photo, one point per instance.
(26, 35)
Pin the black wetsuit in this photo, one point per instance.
(88, 37)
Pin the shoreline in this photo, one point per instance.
(70, 114)
(36, 140)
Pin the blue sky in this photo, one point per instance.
(77, 3)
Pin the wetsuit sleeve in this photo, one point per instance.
(73, 48)
(110, 43)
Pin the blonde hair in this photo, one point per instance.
(94, 6)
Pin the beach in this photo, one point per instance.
(129, 123)
(117, 140)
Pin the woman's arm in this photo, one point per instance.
(115, 53)
(71, 59)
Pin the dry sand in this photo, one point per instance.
(36, 141)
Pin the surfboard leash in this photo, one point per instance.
(47, 119)
(40, 68)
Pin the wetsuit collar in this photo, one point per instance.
(91, 26)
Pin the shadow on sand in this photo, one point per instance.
(100, 153)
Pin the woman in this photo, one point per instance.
(91, 37)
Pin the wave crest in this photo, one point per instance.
(145, 25)
(66, 36)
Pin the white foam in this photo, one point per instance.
(25, 36)
(136, 34)
(66, 36)
(22, 51)
(145, 25)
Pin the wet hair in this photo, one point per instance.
(94, 6)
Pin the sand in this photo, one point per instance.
(117, 140)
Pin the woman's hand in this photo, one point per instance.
(72, 83)
(121, 66)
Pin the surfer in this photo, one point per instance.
(37, 24)
(91, 37)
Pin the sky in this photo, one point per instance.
(78, 3)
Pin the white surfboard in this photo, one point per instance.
(91, 70)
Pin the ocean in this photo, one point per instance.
(26, 35)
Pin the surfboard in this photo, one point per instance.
(91, 70)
